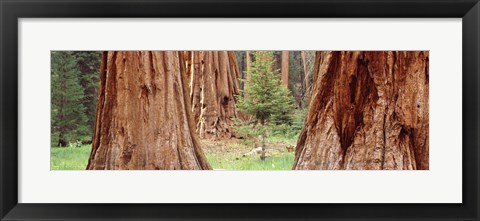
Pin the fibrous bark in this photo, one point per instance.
(249, 58)
(214, 83)
(306, 75)
(368, 110)
(285, 68)
(277, 65)
(144, 118)
(308, 59)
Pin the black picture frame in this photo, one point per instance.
(12, 10)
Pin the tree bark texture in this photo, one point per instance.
(306, 75)
(285, 68)
(144, 119)
(277, 65)
(214, 83)
(368, 111)
(249, 58)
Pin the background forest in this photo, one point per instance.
(244, 110)
(258, 128)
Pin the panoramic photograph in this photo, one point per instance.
(239, 110)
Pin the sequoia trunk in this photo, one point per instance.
(214, 83)
(249, 58)
(368, 110)
(285, 67)
(143, 118)
(308, 58)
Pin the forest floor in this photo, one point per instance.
(239, 154)
(232, 154)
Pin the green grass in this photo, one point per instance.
(292, 140)
(76, 158)
(69, 158)
(283, 161)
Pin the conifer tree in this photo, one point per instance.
(267, 101)
(68, 119)
(88, 65)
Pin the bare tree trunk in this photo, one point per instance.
(242, 65)
(214, 83)
(306, 76)
(285, 67)
(249, 71)
(143, 118)
(195, 75)
(277, 65)
(369, 110)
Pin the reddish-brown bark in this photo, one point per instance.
(285, 68)
(368, 110)
(214, 83)
(144, 118)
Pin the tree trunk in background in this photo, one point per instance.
(241, 60)
(249, 59)
(285, 67)
(277, 65)
(144, 118)
(318, 60)
(214, 83)
(306, 76)
(369, 110)
(195, 74)
(308, 61)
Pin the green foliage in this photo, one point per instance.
(273, 132)
(88, 63)
(249, 130)
(265, 99)
(268, 102)
(69, 121)
(290, 131)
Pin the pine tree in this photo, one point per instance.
(88, 64)
(68, 122)
(267, 101)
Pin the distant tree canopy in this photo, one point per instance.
(74, 77)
